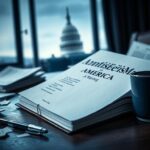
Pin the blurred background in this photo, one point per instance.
(57, 34)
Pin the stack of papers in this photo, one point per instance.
(4, 96)
(14, 79)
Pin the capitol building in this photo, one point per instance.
(70, 38)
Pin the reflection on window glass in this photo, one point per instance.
(53, 36)
(102, 34)
(7, 40)
(26, 33)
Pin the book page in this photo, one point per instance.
(6, 95)
(12, 74)
(139, 50)
(88, 86)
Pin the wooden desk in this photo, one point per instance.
(123, 133)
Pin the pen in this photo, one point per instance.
(30, 128)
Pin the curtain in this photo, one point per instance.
(122, 18)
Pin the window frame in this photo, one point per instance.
(17, 35)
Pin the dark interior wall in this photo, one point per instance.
(122, 18)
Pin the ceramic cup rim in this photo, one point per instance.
(145, 74)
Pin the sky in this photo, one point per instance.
(50, 17)
(7, 42)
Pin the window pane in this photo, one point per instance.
(26, 33)
(7, 40)
(102, 34)
(51, 20)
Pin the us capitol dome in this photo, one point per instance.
(70, 39)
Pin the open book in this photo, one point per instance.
(85, 94)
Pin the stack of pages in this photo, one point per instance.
(13, 79)
(85, 94)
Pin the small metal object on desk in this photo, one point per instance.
(4, 103)
(4, 132)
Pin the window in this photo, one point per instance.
(26, 33)
(51, 20)
(46, 27)
(8, 52)
(102, 34)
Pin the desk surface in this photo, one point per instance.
(121, 133)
